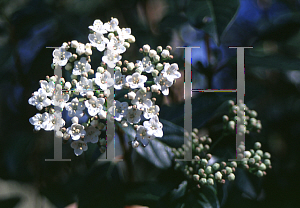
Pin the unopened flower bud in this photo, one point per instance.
(131, 95)
(203, 181)
(210, 181)
(231, 177)
(208, 170)
(228, 170)
(131, 39)
(259, 173)
(152, 53)
(159, 49)
(231, 125)
(100, 69)
(257, 145)
(165, 53)
(251, 161)
(89, 94)
(155, 73)
(216, 166)
(159, 66)
(67, 85)
(218, 175)
(257, 158)
(126, 45)
(110, 35)
(267, 155)
(156, 58)
(196, 177)
(74, 44)
(130, 66)
(146, 48)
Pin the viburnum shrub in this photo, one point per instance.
(87, 91)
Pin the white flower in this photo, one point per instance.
(155, 88)
(48, 87)
(94, 105)
(92, 134)
(79, 146)
(150, 112)
(76, 131)
(121, 110)
(98, 27)
(142, 100)
(75, 108)
(116, 46)
(39, 120)
(84, 85)
(171, 72)
(154, 127)
(133, 115)
(124, 33)
(98, 40)
(142, 133)
(60, 99)
(39, 99)
(147, 65)
(61, 56)
(119, 80)
(55, 122)
(111, 58)
(136, 80)
(104, 81)
(165, 53)
(163, 84)
(81, 66)
(112, 25)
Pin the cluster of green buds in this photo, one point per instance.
(256, 161)
(237, 112)
(200, 170)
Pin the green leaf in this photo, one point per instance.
(157, 153)
(213, 16)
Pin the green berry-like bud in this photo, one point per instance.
(201, 171)
(159, 49)
(233, 164)
(257, 158)
(156, 58)
(259, 173)
(210, 181)
(267, 162)
(203, 181)
(231, 177)
(262, 167)
(216, 166)
(257, 145)
(247, 154)
(228, 170)
(267, 155)
(251, 161)
(225, 118)
(253, 113)
(204, 162)
(208, 170)
(218, 175)
(259, 152)
(231, 125)
(159, 66)
(196, 177)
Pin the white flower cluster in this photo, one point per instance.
(86, 92)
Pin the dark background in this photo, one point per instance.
(272, 85)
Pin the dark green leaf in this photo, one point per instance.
(213, 16)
